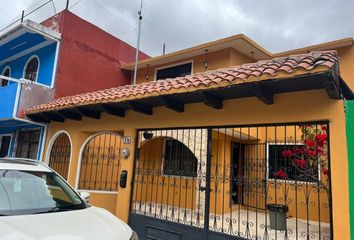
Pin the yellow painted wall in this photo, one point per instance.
(290, 107)
(219, 59)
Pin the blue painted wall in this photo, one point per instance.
(46, 64)
(7, 101)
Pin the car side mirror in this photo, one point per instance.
(85, 196)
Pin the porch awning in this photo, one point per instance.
(263, 79)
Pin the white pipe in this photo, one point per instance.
(137, 46)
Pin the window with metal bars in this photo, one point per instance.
(100, 161)
(27, 144)
(31, 69)
(60, 155)
(179, 159)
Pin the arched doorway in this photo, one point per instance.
(100, 161)
(59, 158)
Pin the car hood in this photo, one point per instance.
(86, 224)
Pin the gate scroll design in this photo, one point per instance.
(241, 173)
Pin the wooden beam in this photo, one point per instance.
(71, 115)
(54, 116)
(173, 104)
(332, 89)
(84, 111)
(38, 117)
(141, 108)
(110, 109)
(263, 94)
(212, 100)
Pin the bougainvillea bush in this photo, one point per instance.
(310, 159)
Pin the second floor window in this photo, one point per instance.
(31, 69)
(175, 71)
(6, 73)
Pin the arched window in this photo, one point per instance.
(179, 160)
(31, 69)
(100, 161)
(6, 72)
(60, 153)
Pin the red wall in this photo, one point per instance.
(89, 58)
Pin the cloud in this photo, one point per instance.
(276, 25)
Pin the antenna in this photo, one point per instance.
(138, 43)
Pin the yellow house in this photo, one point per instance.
(220, 141)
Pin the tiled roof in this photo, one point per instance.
(285, 67)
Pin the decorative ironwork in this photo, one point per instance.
(100, 163)
(60, 153)
(252, 182)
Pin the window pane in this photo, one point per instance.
(179, 160)
(176, 71)
(27, 144)
(6, 73)
(32, 69)
(5, 146)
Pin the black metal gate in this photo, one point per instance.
(236, 182)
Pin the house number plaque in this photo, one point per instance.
(126, 139)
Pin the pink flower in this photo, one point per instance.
(298, 151)
(287, 153)
(301, 163)
(309, 143)
(321, 139)
(312, 153)
(281, 174)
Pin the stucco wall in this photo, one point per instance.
(290, 107)
(89, 58)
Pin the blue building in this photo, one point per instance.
(64, 55)
(28, 60)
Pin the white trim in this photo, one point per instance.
(14, 33)
(291, 181)
(50, 146)
(24, 69)
(174, 65)
(78, 171)
(2, 74)
(41, 30)
(44, 138)
(6, 135)
(55, 65)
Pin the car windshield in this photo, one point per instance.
(32, 192)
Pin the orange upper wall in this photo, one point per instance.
(219, 59)
(229, 56)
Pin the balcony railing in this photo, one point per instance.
(21, 94)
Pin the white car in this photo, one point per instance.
(36, 203)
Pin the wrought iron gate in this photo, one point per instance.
(237, 182)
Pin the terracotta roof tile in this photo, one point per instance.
(262, 70)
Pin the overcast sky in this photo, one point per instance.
(277, 25)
